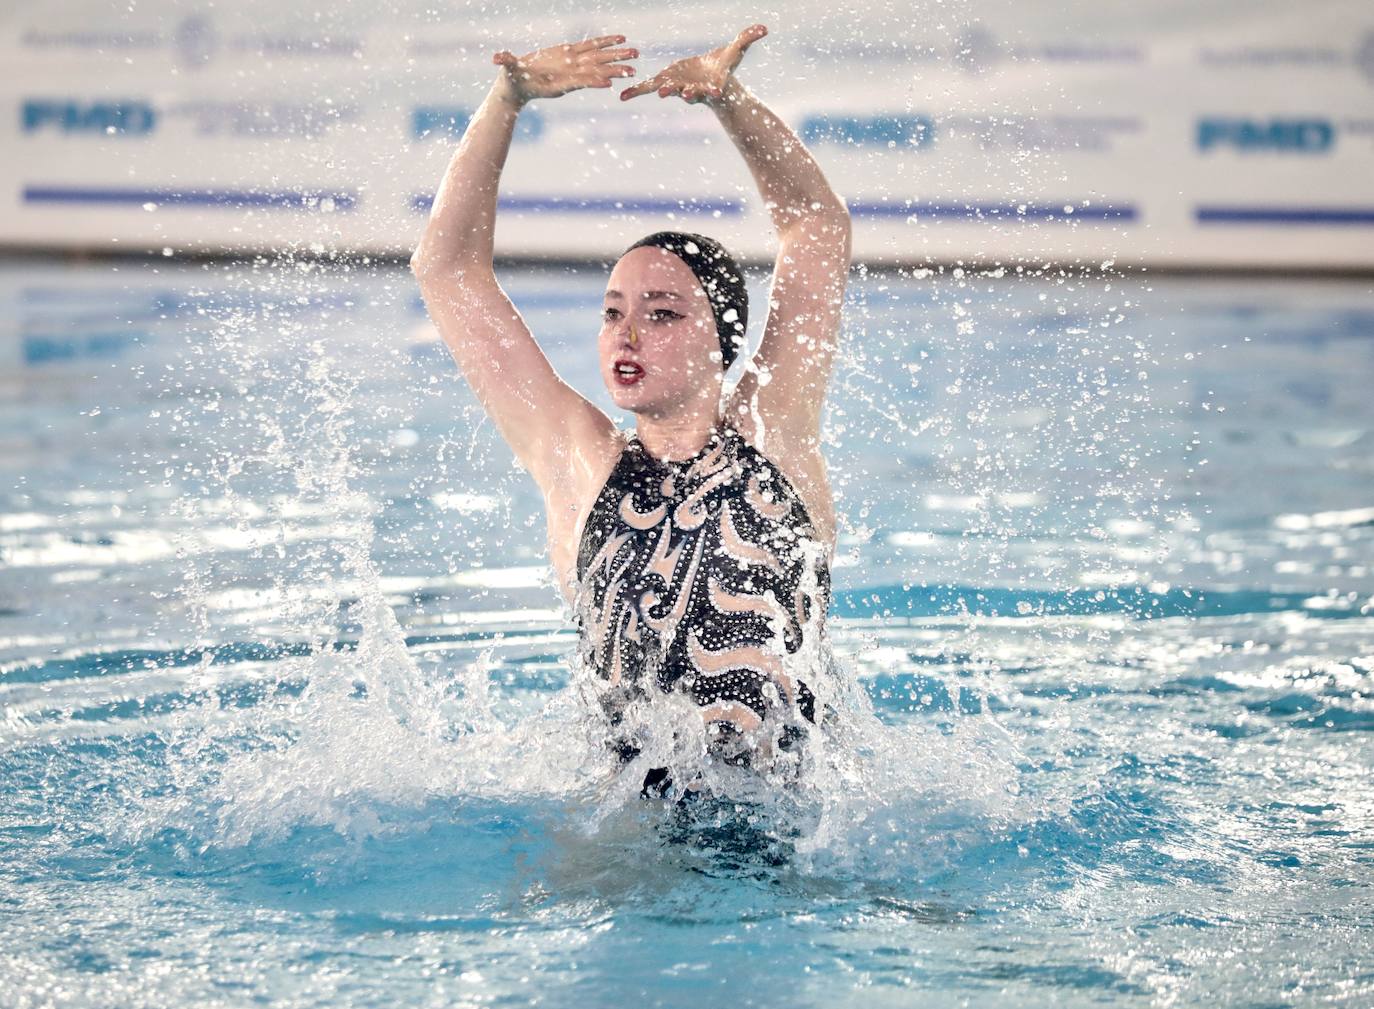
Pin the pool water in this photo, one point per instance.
(290, 715)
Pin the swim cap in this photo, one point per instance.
(720, 277)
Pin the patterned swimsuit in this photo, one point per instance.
(693, 577)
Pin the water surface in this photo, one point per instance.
(286, 680)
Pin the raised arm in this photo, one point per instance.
(809, 276)
(545, 421)
(786, 381)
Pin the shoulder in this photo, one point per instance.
(798, 458)
(570, 494)
(584, 466)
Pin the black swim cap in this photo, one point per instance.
(720, 277)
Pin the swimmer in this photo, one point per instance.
(696, 549)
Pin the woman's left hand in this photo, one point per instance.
(699, 78)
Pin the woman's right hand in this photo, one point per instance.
(556, 70)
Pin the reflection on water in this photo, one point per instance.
(288, 705)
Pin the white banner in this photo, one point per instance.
(1229, 134)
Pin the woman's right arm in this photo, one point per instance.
(543, 419)
(463, 215)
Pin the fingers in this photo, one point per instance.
(698, 93)
(605, 73)
(600, 42)
(615, 55)
(749, 36)
(504, 58)
(667, 86)
(692, 94)
(642, 88)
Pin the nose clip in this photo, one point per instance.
(634, 337)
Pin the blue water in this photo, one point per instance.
(290, 717)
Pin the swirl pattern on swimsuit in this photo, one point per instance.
(693, 578)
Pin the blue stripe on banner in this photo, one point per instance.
(289, 199)
(994, 212)
(604, 204)
(1285, 215)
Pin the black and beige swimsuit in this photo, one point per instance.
(700, 576)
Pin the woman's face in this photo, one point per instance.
(658, 347)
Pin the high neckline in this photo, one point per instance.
(715, 437)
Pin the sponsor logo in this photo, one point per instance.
(91, 38)
(450, 122)
(267, 120)
(1283, 136)
(194, 41)
(899, 131)
(871, 51)
(41, 348)
(891, 131)
(976, 49)
(1040, 134)
(68, 116)
(1293, 57)
(1260, 56)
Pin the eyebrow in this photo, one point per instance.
(649, 295)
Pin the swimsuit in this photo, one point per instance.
(699, 576)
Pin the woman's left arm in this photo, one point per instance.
(787, 380)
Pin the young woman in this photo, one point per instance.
(696, 549)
